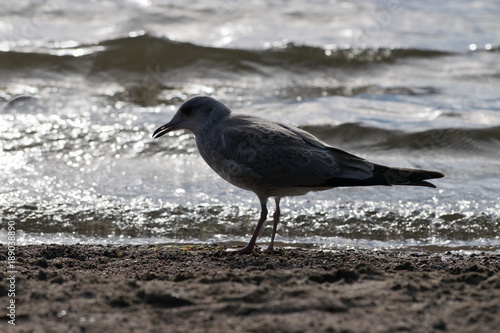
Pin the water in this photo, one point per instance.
(404, 84)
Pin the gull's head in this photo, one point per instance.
(193, 114)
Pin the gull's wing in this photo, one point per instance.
(256, 152)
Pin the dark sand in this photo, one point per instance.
(86, 288)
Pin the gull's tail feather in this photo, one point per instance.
(383, 175)
(404, 176)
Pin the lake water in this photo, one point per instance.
(411, 84)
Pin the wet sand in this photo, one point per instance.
(84, 288)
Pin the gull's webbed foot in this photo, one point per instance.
(242, 250)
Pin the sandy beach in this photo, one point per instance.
(86, 288)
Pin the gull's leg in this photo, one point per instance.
(250, 246)
(276, 217)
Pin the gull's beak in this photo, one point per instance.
(162, 130)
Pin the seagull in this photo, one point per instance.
(276, 160)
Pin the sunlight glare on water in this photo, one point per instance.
(387, 81)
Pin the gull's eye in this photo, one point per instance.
(187, 110)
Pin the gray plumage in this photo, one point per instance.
(276, 160)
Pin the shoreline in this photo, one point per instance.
(76, 288)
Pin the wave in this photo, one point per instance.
(178, 222)
(155, 53)
(131, 141)
(455, 140)
(140, 52)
